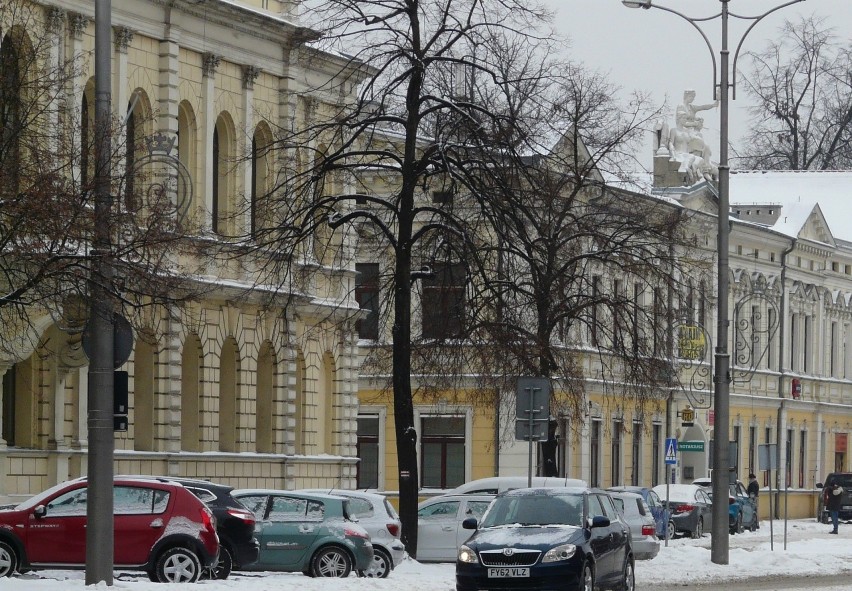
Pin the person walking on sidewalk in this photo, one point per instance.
(834, 501)
(753, 491)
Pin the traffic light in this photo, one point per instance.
(119, 401)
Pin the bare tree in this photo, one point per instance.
(424, 74)
(802, 88)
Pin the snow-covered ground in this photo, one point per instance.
(809, 550)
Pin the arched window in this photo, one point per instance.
(229, 420)
(186, 153)
(190, 394)
(10, 114)
(300, 404)
(223, 179)
(261, 146)
(328, 398)
(144, 386)
(265, 409)
(135, 132)
(87, 134)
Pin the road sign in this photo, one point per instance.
(691, 446)
(671, 450)
(533, 398)
(524, 427)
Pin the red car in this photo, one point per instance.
(160, 528)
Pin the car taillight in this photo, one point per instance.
(732, 501)
(393, 529)
(207, 519)
(355, 533)
(684, 508)
(649, 530)
(242, 515)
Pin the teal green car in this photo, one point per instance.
(311, 533)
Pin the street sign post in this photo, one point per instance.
(671, 450)
(671, 460)
(532, 412)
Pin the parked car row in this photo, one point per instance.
(179, 530)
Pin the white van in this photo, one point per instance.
(497, 484)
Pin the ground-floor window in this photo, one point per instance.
(442, 452)
(368, 451)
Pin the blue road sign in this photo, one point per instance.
(671, 450)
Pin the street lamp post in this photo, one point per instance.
(722, 377)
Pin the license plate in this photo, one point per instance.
(508, 572)
(847, 507)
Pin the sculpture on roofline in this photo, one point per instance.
(685, 144)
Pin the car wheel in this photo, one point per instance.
(223, 567)
(178, 565)
(671, 530)
(628, 578)
(8, 560)
(699, 529)
(331, 561)
(738, 526)
(588, 578)
(381, 567)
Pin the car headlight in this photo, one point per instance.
(563, 552)
(467, 555)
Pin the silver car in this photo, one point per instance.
(439, 525)
(643, 528)
(375, 513)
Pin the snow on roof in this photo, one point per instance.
(798, 192)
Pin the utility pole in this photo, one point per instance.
(99, 510)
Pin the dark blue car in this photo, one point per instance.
(661, 515)
(538, 539)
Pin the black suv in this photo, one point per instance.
(234, 523)
(844, 479)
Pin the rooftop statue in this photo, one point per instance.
(685, 144)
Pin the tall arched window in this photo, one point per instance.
(261, 215)
(223, 177)
(327, 382)
(187, 155)
(144, 386)
(87, 133)
(265, 409)
(10, 113)
(229, 420)
(300, 403)
(190, 394)
(135, 132)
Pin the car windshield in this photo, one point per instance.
(562, 509)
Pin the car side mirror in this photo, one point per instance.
(600, 521)
(469, 523)
(819, 485)
(40, 511)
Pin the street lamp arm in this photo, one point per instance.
(694, 22)
(756, 20)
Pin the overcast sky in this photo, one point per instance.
(656, 51)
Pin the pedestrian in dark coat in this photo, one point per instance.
(753, 491)
(833, 502)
